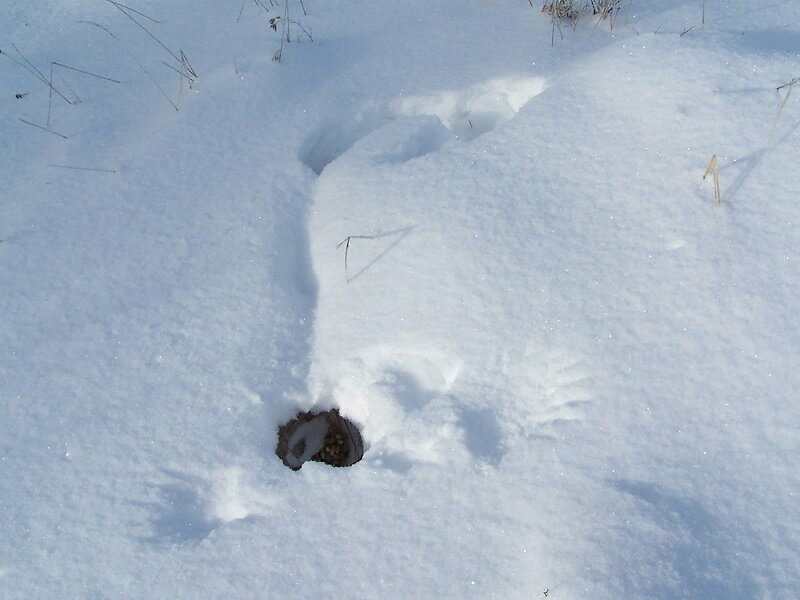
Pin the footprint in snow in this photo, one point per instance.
(188, 508)
(553, 387)
(401, 398)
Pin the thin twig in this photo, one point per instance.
(61, 135)
(686, 31)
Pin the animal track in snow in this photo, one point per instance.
(558, 383)
(426, 123)
(189, 508)
(414, 380)
(565, 388)
(402, 399)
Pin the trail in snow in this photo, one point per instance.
(573, 371)
(424, 121)
(406, 387)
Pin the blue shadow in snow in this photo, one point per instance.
(181, 514)
(482, 435)
(701, 555)
(770, 40)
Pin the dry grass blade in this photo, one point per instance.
(346, 242)
(50, 96)
(84, 168)
(141, 14)
(63, 66)
(713, 167)
(123, 9)
(606, 9)
(35, 72)
(789, 86)
(564, 10)
(136, 60)
(77, 99)
(47, 129)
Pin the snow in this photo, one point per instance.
(572, 369)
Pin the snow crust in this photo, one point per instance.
(574, 373)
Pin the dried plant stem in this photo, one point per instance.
(69, 87)
(141, 14)
(789, 86)
(63, 66)
(61, 135)
(346, 242)
(123, 9)
(28, 66)
(84, 168)
(136, 60)
(713, 167)
(50, 96)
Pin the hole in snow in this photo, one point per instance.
(466, 113)
(473, 111)
(325, 437)
(334, 140)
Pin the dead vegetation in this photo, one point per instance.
(569, 12)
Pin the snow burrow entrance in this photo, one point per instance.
(465, 114)
(325, 437)
(474, 111)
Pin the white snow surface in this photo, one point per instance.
(576, 375)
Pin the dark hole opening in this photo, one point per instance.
(324, 436)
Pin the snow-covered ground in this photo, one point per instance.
(575, 373)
